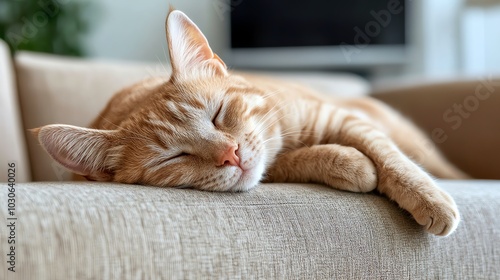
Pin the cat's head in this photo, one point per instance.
(204, 128)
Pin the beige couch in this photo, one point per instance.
(88, 230)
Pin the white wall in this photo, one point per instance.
(449, 39)
(434, 38)
(481, 41)
(134, 30)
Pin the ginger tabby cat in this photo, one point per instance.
(211, 129)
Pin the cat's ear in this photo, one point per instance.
(81, 150)
(190, 54)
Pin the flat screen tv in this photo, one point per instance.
(317, 33)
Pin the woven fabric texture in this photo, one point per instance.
(276, 231)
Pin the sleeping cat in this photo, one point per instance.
(211, 129)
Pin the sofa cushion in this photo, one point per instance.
(53, 89)
(13, 148)
(91, 230)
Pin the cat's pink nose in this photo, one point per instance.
(229, 157)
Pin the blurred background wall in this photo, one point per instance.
(134, 30)
(445, 38)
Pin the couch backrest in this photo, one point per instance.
(66, 91)
(53, 90)
(13, 146)
(461, 117)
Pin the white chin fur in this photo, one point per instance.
(249, 179)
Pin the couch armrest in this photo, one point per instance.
(112, 231)
(13, 145)
(462, 118)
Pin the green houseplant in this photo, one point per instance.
(52, 26)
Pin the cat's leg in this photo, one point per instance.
(398, 177)
(341, 167)
(422, 150)
(409, 138)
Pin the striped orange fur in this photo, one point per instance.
(212, 129)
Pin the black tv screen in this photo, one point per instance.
(294, 23)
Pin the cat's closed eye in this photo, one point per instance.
(215, 120)
(182, 154)
(176, 156)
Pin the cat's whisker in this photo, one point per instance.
(280, 150)
(271, 93)
(273, 123)
(128, 130)
(296, 129)
(266, 118)
(263, 118)
(291, 133)
(165, 54)
(162, 66)
(263, 128)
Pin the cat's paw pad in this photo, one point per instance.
(438, 213)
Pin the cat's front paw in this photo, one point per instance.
(437, 212)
